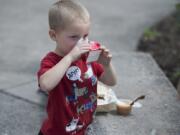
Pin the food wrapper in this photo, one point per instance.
(106, 98)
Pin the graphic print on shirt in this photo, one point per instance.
(89, 72)
(94, 80)
(87, 106)
(74, 73)
(77, 92)
(89, 75)
(73, 125)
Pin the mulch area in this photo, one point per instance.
(162, 41)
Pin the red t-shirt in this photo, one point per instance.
(73, 101)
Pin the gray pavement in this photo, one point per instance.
(159, 114)
(24, 40)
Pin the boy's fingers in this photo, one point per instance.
(106, 51)
(109, 56)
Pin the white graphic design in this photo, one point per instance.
(74, 73)
(84, 107)
(73, 125)
(89, 105)
(89, 72)
(77, 92)
(82, 92)
(94, 80)
(93, 97)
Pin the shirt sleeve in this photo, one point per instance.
(45, 65)
(98, 69)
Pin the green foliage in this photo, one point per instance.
(178, 25)
(150, 34)
(178, 6)
(178, 16)
(176, 74)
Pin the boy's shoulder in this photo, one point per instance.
(51, 56)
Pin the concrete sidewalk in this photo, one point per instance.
(24, 41)
(22, 107)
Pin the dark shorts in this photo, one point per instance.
(40, 133)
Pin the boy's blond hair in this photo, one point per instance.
(64, 12)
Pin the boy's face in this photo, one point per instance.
(66, 39)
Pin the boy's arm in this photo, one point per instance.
(53, 76)
(108, 77)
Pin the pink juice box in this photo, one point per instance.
(94, 52)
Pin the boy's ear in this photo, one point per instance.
(52, 34)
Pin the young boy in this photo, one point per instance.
(72, 96)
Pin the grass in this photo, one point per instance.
(150, 34)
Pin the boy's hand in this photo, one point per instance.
(78, 50)
(105, 57)
(108, 77)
